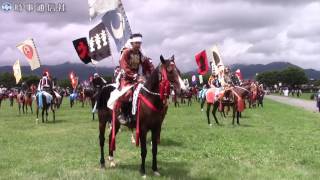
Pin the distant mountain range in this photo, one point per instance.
(249, 71)
(62, 71)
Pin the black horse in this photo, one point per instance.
(45, 104)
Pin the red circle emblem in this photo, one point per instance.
(28, 51)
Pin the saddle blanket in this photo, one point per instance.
(116, 94)
(47, 95)
(212, 94)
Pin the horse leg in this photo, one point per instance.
(133, 140)
(155, 135)
(233, 114)
(19, 106)
(214, 111)
(47, 107)
(202, 104)
(43, 114)
(208, 110)
(238, 117)
(111, 159)
(92, 106)
(31, 108)
(53, 113)
(23, 108)
(143, 139)
(26, 106)
(102, 128)
(37, 112)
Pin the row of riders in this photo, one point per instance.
(138, 98)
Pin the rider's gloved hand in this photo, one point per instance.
(135, 76)
(141, 79)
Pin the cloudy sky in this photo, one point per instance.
(246, 31)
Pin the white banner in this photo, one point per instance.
(29, 50)
(17, 71)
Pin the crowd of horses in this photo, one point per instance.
(151, 107)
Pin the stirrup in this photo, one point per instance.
(122, 119)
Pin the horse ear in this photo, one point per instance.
(162, 59)
(172, 58)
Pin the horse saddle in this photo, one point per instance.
(116, 94)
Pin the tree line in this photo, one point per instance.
(290, 77)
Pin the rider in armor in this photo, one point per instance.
(46, 86)
(45, 83)
(131, 60)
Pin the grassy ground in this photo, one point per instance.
(305, 96)
(276, 142)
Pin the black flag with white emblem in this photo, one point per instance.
(99, 43)
(118, 26)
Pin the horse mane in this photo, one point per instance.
(104, 96)
(152, 82)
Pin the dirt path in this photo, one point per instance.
(308, 105)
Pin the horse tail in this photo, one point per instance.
(104, 96)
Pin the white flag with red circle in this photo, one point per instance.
(29, 50)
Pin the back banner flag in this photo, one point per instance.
(118, 26)
(74, 80)
(202, 62)
(28, 49)
(82, 48)
(200, 79)
(99, 43)
(17, 71)
(97, 7)
(214, 57)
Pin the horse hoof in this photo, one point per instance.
(112, 164)
(102, 166)
(210, 125)
(133, 141)
(156, 173)
(144, 176)
(110, 158)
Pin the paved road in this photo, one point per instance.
(306, 104)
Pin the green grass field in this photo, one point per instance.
(276, 142)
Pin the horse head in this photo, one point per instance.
(171, 71)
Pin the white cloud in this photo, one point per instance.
(248, 31)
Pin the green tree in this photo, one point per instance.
(64, 83)
(269, 78)
(7, 79)
(32, 79)
(293, 76)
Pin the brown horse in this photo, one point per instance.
(253, 95)
(152, 108)
(88, 95)
(28, 101)
(239, 94)
(21, 102)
